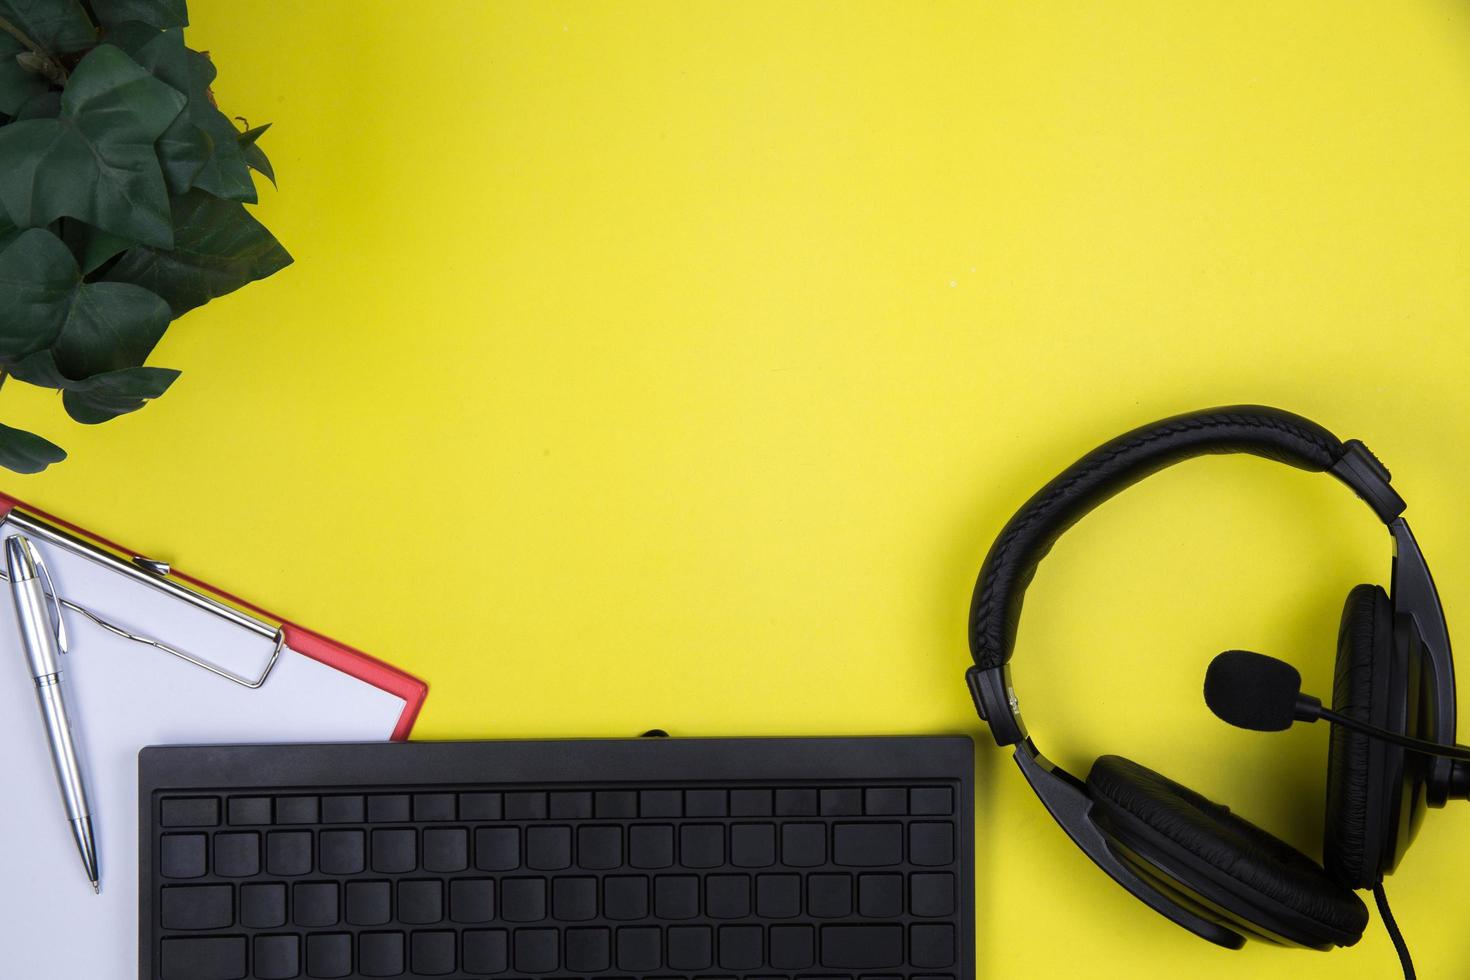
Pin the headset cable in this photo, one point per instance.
(1380, 898)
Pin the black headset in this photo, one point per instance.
(1186, 857)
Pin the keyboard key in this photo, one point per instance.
(804, 845)
(288, 852)
(599, 848)
(932, 895)
(343, 809)
(472, 900)
(651, 845)
(842, 803)
(574, 899)
(931, 946)
(862, 947)
(479, 806)
(380, 954)
(778, 896)
(702, 845)
(639, 949)
(388, 808)
(182, 855)
(366, 903)
(690, 947)
(446, 849)
(198, 907)
(796, 802)
(867, 845)
(880, 896)
(525, 806)
(236, 855)
(343, 852)
(727, 896)
(428, 807)
(753, 845)
(314, 904)
(548, 848)
(613, 804)
(523, 899)
(932, 801)
(497, 848)
(486, 951)
(750, 803)
(661, 803)
(395, 851)
(706, 803)
(589, 950)
(263, 906)
(886, 801)
(277, 957)
(625, 897)
(433, 953)
(571, 805)
(792, 947)
(247, 810)
(931, 844)
(420, 902)
(676, 897)
(536, 950)
(329, 954)
(205, 958)
(830, 896)
(742, 947)
(297, 809)
(192, 812)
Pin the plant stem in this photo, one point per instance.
(22, 37)
(36, 49)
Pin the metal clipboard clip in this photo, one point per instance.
(154, 574)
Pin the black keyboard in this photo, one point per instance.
(658, 858)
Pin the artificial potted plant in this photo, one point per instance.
(122, 202)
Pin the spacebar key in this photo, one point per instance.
(211, 958)
(862, 947)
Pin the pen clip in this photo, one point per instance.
(52, 595)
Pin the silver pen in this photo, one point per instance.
(42, 643)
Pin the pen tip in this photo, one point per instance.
(96, 889)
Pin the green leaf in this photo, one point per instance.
(92, 246)
(26, 452)
(58, 26)
(130, 35)
(218, 248)
(17, 84)
(38, 278)
(255, 157)
(8, 231)
(96, 162)
(156, 13)
(45, 105)
(106, 396)
(201, 147)
(89, 328)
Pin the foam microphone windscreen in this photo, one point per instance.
(1251, 690)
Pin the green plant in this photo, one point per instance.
(122, 193)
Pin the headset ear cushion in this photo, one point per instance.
(1354, 783)
(1238, 855)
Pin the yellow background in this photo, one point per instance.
(674, 365)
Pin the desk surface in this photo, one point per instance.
(674, 365)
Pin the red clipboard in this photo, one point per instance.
(334, 654)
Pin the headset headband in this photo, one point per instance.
(1124, 461)
(1119, 463)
